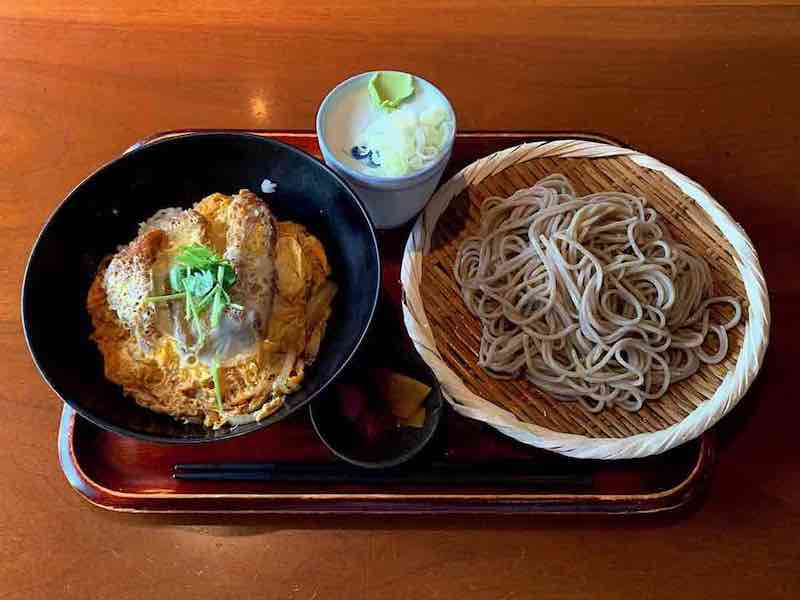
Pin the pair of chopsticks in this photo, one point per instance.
(500, 474)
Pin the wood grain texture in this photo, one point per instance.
(709, 87)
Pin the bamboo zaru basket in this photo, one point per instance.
(447, 335)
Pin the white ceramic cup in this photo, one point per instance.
(390, 201)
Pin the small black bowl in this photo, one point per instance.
(399, 446)
(104, 211)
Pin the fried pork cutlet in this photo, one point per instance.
(251, 241)
(128, 281)
(239, 364)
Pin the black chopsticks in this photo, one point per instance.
(500, 475)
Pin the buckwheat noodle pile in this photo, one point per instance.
(588, 297)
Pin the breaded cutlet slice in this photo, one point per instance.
(140, 270)
(182, 227)
(214, 209)
(128, 281)
(250, 247)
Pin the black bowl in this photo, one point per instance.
(104, 211)
(398, 446)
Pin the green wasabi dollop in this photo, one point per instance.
(389, 90)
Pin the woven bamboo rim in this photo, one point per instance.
(447, 336)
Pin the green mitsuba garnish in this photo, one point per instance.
(202, 279)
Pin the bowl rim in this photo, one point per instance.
(231, 432)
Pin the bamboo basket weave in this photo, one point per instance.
(447, 335)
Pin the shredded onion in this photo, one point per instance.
(402, 142)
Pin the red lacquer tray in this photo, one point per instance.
(124, 474)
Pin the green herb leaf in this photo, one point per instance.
(197, 256)
(165, 298)
(176, 275)
(189, 301)
(217, 307)
(202, 305)
(202, 279)
(226, 276)
(193, 315)
(199, 283)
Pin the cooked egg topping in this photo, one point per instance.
(237, 337)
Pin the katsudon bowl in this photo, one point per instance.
(104, 212)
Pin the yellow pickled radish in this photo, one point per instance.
(403, 394)
(416, 420)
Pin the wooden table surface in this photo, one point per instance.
(709, 87)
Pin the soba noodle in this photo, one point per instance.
(588, 297)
